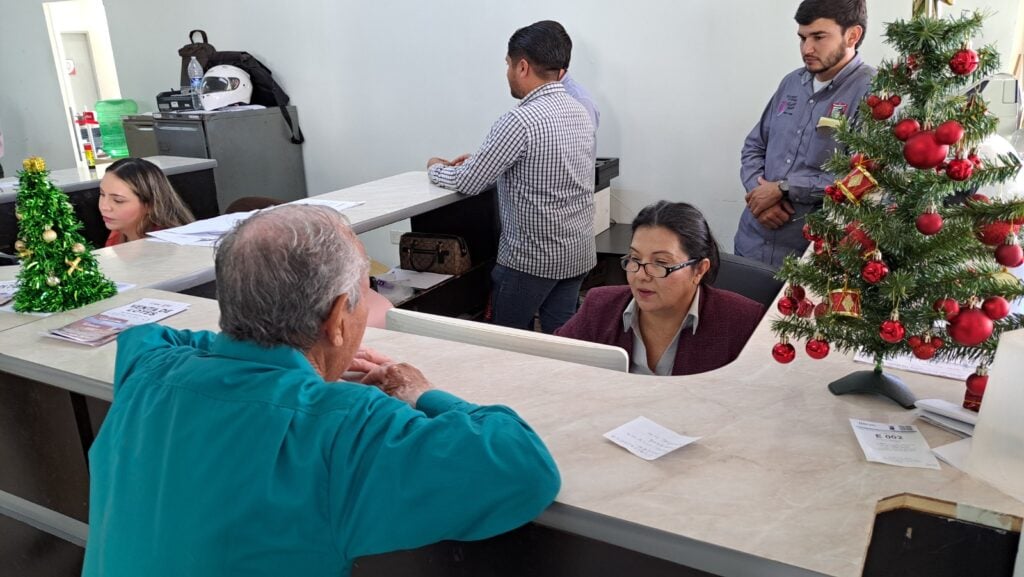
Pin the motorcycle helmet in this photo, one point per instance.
(225, 85)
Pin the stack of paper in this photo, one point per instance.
(948, 416)
(104, 327)
(7, 290)
(206, 232)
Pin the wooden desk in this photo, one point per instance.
(777, 485)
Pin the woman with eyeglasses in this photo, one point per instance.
(669, 319)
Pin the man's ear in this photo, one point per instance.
(523, 67)
(853, 35)
(334, 325)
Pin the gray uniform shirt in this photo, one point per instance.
(787, 145)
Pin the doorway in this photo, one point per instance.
(84, 60)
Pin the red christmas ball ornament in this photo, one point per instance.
(821, 310)
(948, 307)
(872, 100)
(959, 169)
(978, 197)
(817, 348)
(805, 308)
(892, 331)
(874, 271)
(964, 62)
(1010, 254)
(895, 100)
(783, 352)
(914, 341)
(995, 307)
(977, 382)
(787, 305)
(883, 110)
(970, 328)
(949, 132)
(810, 236)
(798, 292)
(937, 342)
(929, 223)
(995, 233)
(906, 128)
(922, 151)
(912, 63)
(925, 351)
(835, 194)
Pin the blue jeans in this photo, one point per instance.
(517, 296)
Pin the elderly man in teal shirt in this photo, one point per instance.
(242, 453)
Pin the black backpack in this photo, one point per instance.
(265, 90)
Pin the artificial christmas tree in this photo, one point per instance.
(904, 257)
(58, 271)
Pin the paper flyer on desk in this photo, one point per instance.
(893, 444)
(104, 327)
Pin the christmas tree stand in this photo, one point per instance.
(876, 382)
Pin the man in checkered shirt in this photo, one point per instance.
(541, 156)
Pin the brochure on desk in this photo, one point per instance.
(104, 327)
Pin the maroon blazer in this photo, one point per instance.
(726, 322)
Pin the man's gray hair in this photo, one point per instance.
(280, 271)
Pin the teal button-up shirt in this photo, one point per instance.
(220, 457)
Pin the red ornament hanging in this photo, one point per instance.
(1010, 254)
(787, 305)
(856, 184)
(924, 351)
(817, 348)
(996, 233)
(892, 330)
(805, 308)
(906, 128)
(914, 341)
(875, 270)
(821, 310)
(923, 151)
(978, 197)
(949, 132)
(783, 352)
(860, 159)
(975, 160)
(872, 100)
(970, 328)
(948, 307)
(929, 223)
(798, 292)
(834, 193)
(996, 307)
(845, 302)
(912, 64)
(810, 236)
(976, 385)
(964, 62)
(883, 110)
(959, 169)
(856, 235)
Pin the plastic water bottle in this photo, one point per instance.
(195, 76)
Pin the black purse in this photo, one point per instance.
(437, 253)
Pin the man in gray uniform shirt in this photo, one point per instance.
(782, 156)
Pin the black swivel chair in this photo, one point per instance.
(750, 278)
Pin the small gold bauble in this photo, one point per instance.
(49, 235)
(18, 216)
(78, 248)
(52, 280)
(19, 245)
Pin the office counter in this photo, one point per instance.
(776, 486)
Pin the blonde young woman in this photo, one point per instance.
(136, 198)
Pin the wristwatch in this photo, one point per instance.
(784, 187)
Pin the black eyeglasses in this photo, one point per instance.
(630, 264)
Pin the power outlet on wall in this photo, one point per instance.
(396, 236)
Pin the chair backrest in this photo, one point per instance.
(750, 278)
(504, 338)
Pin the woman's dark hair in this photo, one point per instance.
(689, 226)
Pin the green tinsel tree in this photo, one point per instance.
(904, 259)
(58, 271)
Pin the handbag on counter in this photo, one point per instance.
(437, 253)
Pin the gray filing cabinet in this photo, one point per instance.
(253, 150)
(139, 135)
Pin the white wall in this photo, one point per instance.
(382, 86)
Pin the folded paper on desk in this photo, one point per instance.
(102, 328)
(947, 415)
(647, 439)
(206, 232)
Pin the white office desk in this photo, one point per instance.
(392, 199)
(777, 485)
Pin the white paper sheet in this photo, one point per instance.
(944, 369)
(413, 279)
(900, 445)
(955, 453)
(647, 439)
